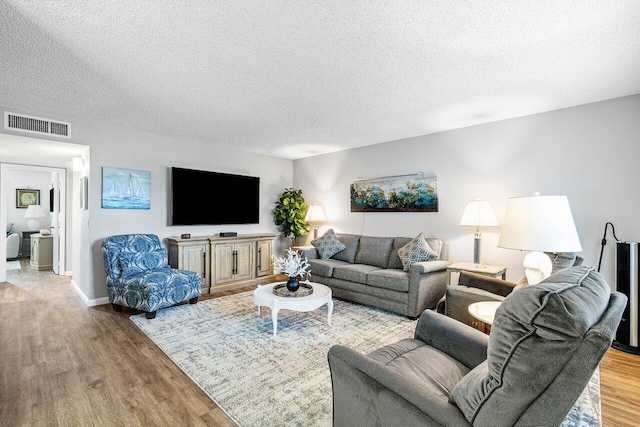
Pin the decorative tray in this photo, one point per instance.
(282, 291)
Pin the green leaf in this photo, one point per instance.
(289, 213)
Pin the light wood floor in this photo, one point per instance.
(64, 364)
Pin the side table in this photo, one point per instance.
(41, 252)
(485, 269)
(484, 312)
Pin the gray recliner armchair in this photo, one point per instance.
(546, 342)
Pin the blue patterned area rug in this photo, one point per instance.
(259, 379)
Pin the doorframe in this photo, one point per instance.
(5, 168)
(59, 204)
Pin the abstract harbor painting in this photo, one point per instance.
(125, 189)
(395, 195)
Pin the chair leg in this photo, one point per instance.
(150, 314)
(193, 300)
(117, 307)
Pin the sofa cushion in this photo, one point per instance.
(351, 242)
(536, 331)
(328, 245)
(394, 259)
(422, 365)
(132, 263)
(392, 279)
(374, 251)
(353, 272)
(417, 250)
(324, 267)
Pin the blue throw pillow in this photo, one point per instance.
(133, 263)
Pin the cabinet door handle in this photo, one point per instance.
(259, 259)
(204, 263)
(235, 262)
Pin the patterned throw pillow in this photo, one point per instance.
(328, 245)
(133, 263)
(417, 250)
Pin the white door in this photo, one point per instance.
(58, 221)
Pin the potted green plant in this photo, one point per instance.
(289, 214)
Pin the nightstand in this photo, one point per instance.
(26, 243)
(485, 269)
(41, 252)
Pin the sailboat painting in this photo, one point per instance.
(125, 189)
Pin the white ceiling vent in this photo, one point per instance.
(23, 123)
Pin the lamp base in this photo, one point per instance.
(476, 249)
(33, 224)
(537, 267)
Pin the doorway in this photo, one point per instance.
(54, 158)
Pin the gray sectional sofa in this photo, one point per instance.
(369, 271)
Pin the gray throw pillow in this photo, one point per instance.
(417, 250)
(328, 245)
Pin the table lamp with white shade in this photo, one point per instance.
(314, 215)
(34, 212)
(539, 224)
(478, 213)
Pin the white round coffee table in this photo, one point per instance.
(263, 296)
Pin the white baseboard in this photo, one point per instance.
(88, 302)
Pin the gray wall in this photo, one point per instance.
(126, 149)
(589, 153)
(122, 148)
(35, 181)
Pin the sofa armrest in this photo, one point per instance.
(427, 285)
(462, 342)
(489, 284)
(366, 392)
(429, 266)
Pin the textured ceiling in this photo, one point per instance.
(297, 78)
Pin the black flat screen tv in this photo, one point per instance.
(212, 198)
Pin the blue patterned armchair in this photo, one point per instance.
(139, 276)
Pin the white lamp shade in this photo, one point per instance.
(479, 213)
(539, 223)
(315, 214)
(35, 211)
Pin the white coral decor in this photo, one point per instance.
(293, 265)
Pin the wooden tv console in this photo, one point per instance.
(225, 262)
